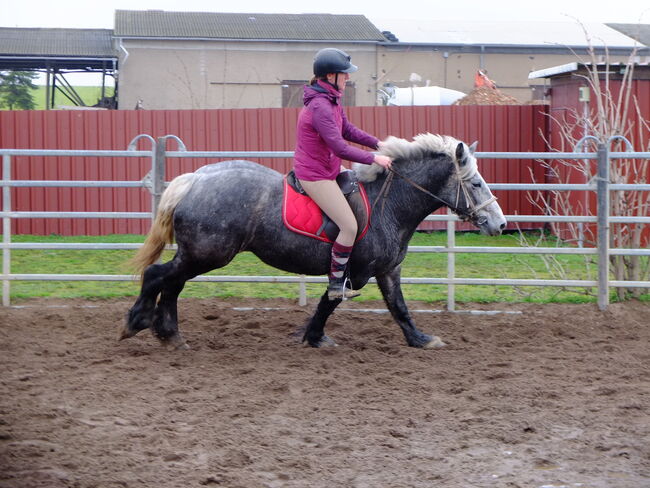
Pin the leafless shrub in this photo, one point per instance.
(613, 118)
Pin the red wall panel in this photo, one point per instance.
(565, 110)
(497, 128)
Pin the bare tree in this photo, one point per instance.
(188, 88)
(613, 118)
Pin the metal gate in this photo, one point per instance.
(155, 182)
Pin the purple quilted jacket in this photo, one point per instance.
(321, 136)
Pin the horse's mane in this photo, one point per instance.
(397, 148)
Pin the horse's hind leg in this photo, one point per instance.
(165, 320)
(166, 280)
(141, 314)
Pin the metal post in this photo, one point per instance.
(6, 230)
(302, 292)
(603, 226)
(53, 91)
(48, 81)
(157, 175)
(451, 263)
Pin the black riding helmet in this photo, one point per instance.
(332, 60)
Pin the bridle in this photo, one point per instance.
(472, 207)
(469, 214)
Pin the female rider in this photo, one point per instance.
(322, 132)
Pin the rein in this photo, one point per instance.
(469, 214)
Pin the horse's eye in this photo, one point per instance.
(477, 184)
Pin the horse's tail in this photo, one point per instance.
(162, 230)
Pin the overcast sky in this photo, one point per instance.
(99, 14)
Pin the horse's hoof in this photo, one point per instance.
(434, 343)
(125, 332)
(298, 335)
(134, 322)
(178, 347)
(175, 343)
(325, 341)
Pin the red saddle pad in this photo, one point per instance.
(301, 214)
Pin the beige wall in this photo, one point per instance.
(211, 74)
(177, 74)
(456, 70)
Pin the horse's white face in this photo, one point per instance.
(480, 205)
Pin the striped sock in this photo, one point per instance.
(340, 257)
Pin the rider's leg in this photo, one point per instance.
(330, 199)
(337, 274)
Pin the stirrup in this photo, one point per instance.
(337, 294)
(340, 291)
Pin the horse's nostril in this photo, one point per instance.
(502, 226)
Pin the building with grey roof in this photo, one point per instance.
(277, 27)
(542, 34)
(58, 52)
(448, 54)
(65, 48)
(223, 60)
(184, 60)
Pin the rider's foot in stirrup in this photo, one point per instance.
(338, 290)
(337, 293)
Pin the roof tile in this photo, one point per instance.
(212, 25)
(56, 42)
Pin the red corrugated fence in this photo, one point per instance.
(515, 128)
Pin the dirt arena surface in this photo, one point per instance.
(555, 396)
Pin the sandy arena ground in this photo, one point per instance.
(556, 396)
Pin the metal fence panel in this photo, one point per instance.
(155, 184)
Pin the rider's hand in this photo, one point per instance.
(383, 161)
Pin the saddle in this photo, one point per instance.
(303, 216)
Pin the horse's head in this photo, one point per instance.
(451, 177)
(473, 201)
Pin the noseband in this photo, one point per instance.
(472, 207)
(469, 214)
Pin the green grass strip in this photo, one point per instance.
(89, 94)
(511, 266)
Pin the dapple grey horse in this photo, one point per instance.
(225, 208)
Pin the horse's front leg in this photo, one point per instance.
(391, 289)
(315, 329)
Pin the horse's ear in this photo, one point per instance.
(460, 152)
(472, 148)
